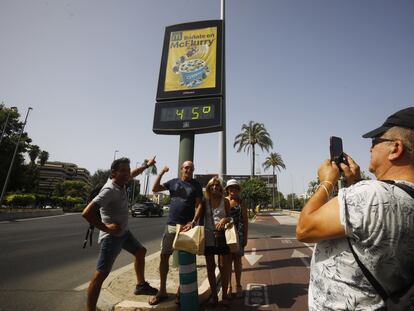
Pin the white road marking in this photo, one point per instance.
(252, 258)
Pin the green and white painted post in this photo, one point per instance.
(187, 261)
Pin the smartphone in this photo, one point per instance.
(336, 150)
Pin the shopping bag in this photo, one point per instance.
(191, 241)
(175, 261)
(232, 238)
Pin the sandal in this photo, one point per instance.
(213, 300)
(230, 291)
(154, 300)
(225, 302)
(239, 291)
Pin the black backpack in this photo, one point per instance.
(89, 232)
(402, 300)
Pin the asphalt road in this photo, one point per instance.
(42, 260)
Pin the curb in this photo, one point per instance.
(109, 302)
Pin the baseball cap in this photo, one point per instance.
(232, 182)
(403, 118)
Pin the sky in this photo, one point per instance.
(307, 70)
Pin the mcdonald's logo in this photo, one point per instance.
(177, 36)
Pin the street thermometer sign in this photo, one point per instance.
(190, 84)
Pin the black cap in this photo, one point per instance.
(402, 118)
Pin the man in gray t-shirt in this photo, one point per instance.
(377, 217)
(114, 235)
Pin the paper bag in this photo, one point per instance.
(232, 238)
(191, 241)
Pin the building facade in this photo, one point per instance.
(52, 173)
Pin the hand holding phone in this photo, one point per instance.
(337, 152)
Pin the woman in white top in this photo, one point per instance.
(216, 216)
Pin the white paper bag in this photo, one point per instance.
(191, 241)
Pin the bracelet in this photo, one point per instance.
(326, 190)
(327, 182)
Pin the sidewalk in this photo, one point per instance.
(275, 273)
(275, 276)
(117, 290)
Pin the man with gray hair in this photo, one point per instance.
(366, 233)
(185, 209)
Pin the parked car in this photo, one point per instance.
(166, 208)
(147, 209)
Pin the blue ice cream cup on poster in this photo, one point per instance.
(192, 71)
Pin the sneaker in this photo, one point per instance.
(145, 289)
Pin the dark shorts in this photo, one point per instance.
(220, 248)
(214, 250)
(112, 245)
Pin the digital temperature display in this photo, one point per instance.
(185, 113)
(201, 115)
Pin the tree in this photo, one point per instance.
(312, 186)
(43, 157)
(255, 192)
(8, 144)
(100, 177)
(72, 188)
(253, 134)
(34, 152)
(275, 161)
(293, 201)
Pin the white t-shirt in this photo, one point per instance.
(379, 219)
(113, 202)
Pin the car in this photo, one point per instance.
(147, 209)
(166, 208)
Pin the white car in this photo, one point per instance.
(166, 208)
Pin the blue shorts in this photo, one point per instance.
(111, 247)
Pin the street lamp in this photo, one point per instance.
(5, 124)
(14, 156)
(133, 189)
(115, 152)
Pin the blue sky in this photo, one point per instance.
(306, 69)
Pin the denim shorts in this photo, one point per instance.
(111, 247)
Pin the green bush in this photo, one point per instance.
(20, 200)
(78, 207)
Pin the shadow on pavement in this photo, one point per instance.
(284, 295)
(277, 264)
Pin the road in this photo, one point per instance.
(42, 260)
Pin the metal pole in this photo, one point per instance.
(222, 134)
(278, 192)
(115, 152)
(187, 261)
(133, 189)
(14, 156)
(5, 124)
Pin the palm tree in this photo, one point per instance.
(34, 153)
(43, 157)
(253, 134)
(275, 161)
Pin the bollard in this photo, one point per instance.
(188, 281)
